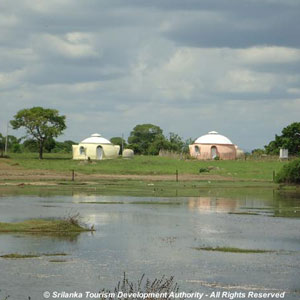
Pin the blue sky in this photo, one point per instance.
(188, 66)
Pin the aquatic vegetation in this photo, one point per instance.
(232, 250)
(17, 255)
(244, 213)
(55, 254)
(30, 255)
(68, 225)
(57, 260)
(159, 286)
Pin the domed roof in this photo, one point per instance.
(213, 137)
(95, 138)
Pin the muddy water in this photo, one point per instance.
(156, 236)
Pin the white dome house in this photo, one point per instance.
(212, 145)
(95, 147)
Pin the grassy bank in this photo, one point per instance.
(151, 165)
(43, 226)
(114, 187)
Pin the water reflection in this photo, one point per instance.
(155, 236)
(279, 206)
(212, 204)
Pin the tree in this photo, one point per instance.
(13, 143)
(143, 136)
(40, 123)
(119, 141)
(63, 147)
(160, 142)
(50, 144)
(186, 146)
(258, 152)
(31, 145)
(289, 139)
(2, 142)
(176, 142)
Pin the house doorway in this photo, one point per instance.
(214, 153)
(99, 152)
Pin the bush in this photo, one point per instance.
(290, 173)
(203, 170)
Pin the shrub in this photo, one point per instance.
(203, 170)
(290, 173)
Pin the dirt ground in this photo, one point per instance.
(15, 174)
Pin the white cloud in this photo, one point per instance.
(293, 91)
(11, 79)
(47, 7)
(195, 73)
(245, 81)
(72, 45)
(268, 55)
(189, 68)
(8, 20)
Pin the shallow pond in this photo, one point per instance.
(156, 236)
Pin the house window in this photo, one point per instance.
(81, 150)
(197, 150)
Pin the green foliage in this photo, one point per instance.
(119, 141)
(30, 145)
(2, 143)
(146, 139)
(13, 144)
(174, 144)
(274, 146)
(16, 148)
(63, 147)
(258, 152)
(159, 143)
(40, 123)
(185, 148)
(203, 170)
(50, 144)
(290, 173)
(289, 139)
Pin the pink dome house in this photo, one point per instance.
(212, 145)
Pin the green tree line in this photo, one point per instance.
(18, 145)
(43, 125)
(288, 139)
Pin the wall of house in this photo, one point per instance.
(109, 151)
(225, 152)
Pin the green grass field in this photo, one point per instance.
(151, 165)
